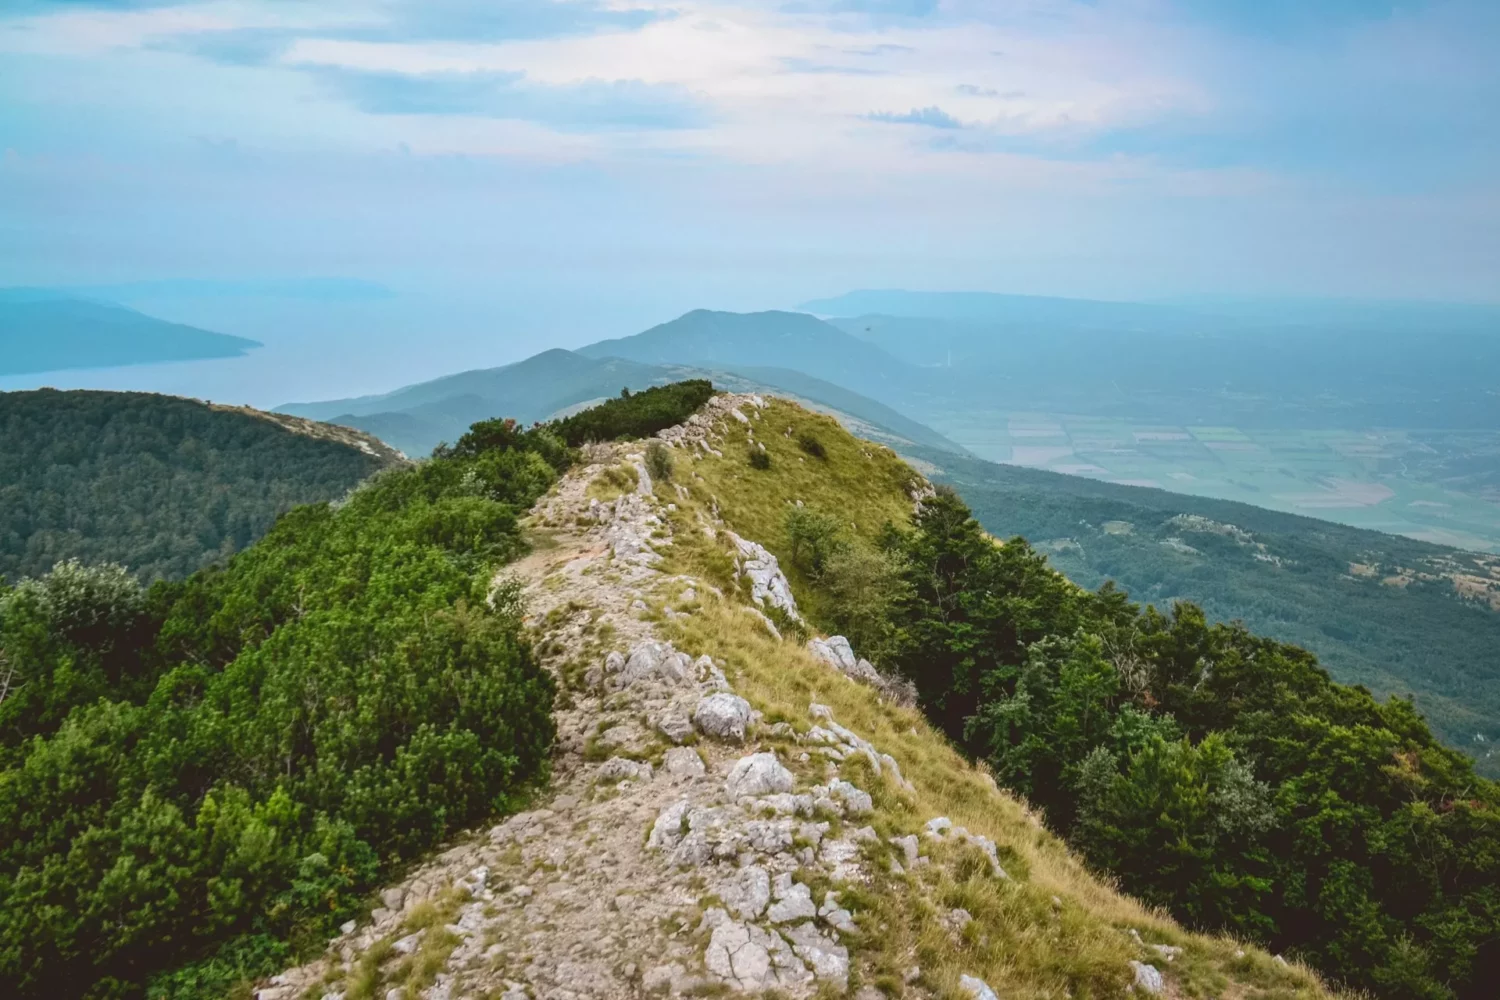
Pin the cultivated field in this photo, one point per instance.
(1389, 480)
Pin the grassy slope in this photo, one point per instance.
(1055, 931)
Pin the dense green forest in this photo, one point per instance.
(1285, 576)
(200, 779)
(159, 484)
(1214, 772)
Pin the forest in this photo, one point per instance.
(159, 484)
(1284, 576)
(201, 779)
(1217, 773)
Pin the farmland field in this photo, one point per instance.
(1397, 481)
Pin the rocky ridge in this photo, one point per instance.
(685, 846)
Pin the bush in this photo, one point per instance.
(760, 459)
(261, 745)
(659, 462)
(810, 444)
(812, 538)
(635, 415)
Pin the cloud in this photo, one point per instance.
(588, 104)
(503, 19)
(231, 46)
(932, 117)
(874, 8)
(797, 64)
(884, 49)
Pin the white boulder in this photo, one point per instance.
(758, 774)
(723, 716)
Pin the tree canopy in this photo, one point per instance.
(161, 485)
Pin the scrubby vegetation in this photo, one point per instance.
(161, 485)
(659, 462)
(207, 776)
(639, 414)
(1403, 627)
(1214, 772)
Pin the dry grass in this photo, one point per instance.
(375, 973)
(615, 481)
(1054, 930)
(864, 484)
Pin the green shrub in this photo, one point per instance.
(635, 415)
(760, 459)
(810, 444)
(812, 537)
(659, 462)
(259, 746)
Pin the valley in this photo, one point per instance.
(1402, 482)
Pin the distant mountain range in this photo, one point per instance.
(48, 331)
(770, 339)
(833, 371)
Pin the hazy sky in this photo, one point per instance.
(539, 171)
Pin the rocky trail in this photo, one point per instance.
(684, 847)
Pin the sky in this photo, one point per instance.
(486, 178)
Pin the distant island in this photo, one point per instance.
(42, 331)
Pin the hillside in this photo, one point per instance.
(733, 802)
(46, 331)
(699, 836)
(1397, 615)
(160, 484)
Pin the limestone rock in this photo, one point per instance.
(793, 902)
(1148, 979)
(674, 725)
(768, 585)
(856, 801)
(620, 768)
(652, 659)
(758, 774)
(723, 716)
(683, 762)
(837, 653)
(976, 988)
(829, 961)
(834, 650)
(667, 832)
(908, 846)
(747, 892)
(750, 958)
(836, 916)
